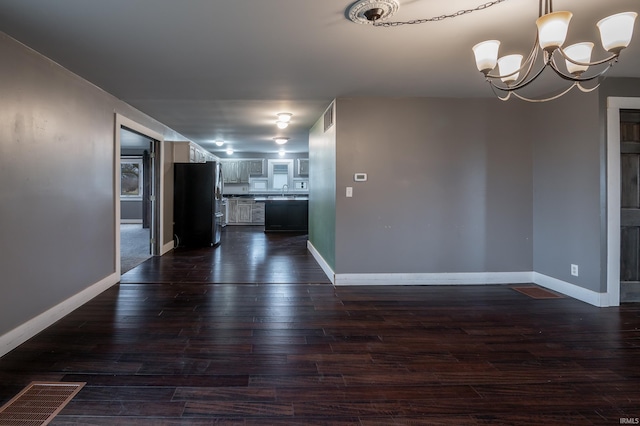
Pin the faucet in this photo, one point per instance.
(285, 186)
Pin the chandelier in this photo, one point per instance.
(516, 72)
(569, 63)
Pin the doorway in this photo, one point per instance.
(629, 205)
(623, 205)
(138, 186)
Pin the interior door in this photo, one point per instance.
(630, 206)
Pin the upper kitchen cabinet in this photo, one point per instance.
(239, 171)
(303, 166)
(189, 152)
(243, 172)
(229, 171)
(256, 167)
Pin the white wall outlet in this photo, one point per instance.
(574, 270)
(349, 191)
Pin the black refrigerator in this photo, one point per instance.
(197, 204)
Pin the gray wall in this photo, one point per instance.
(570, 184)
(449, 186)
(322, 190)
(131, 210)
(57, 199)
(567, 170)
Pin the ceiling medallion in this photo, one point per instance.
(369, 11)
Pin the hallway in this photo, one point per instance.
(252, 333)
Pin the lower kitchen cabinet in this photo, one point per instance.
(257, 213)
(286, 215)
(245, 211)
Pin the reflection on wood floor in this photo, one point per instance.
(252, 333)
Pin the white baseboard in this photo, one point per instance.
(131, 221)
(459, 278)
(167, 247)
(323, 263)
(588, 296)
(24, 332)
(463, 278)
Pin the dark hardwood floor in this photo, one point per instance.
(253, 333)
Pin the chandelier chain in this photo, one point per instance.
(441, 17)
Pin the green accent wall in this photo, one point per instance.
(322, 190)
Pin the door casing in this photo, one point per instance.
(120, 122)
(614, 105)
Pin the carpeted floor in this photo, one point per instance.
(134, 246)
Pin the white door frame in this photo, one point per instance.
(614, 105)
(122, 121)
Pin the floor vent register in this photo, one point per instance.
(38, 403)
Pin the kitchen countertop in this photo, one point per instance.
(282, 198)
(265, 195)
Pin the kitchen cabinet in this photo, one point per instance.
(238, 171)
(256, 167)
(245, 211)
(243, 171)
(286, 215)
(257, 213)
(189, 152)
(303, 166)
(229, 171)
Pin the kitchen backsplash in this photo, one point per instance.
(244, 189)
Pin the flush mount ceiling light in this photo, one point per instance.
(219, 142)
(569, 63)
(280, 140)
(284, 118)
(229, 151)
(281, 153)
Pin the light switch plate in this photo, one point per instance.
(349, 191)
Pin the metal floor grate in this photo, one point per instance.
(38, 403)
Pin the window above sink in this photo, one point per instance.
(280, 174)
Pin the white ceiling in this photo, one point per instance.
(214, 69)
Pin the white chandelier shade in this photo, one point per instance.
(616, 31)
(552, 29)
(509, 67)
(580, 53)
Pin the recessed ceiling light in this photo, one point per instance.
(219, 142)
(280, 140)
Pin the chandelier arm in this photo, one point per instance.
(613, 58)
(552, 98)
(528, 63)
(522, 82)
(586, 89)
(505, 98)
(561, 74)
